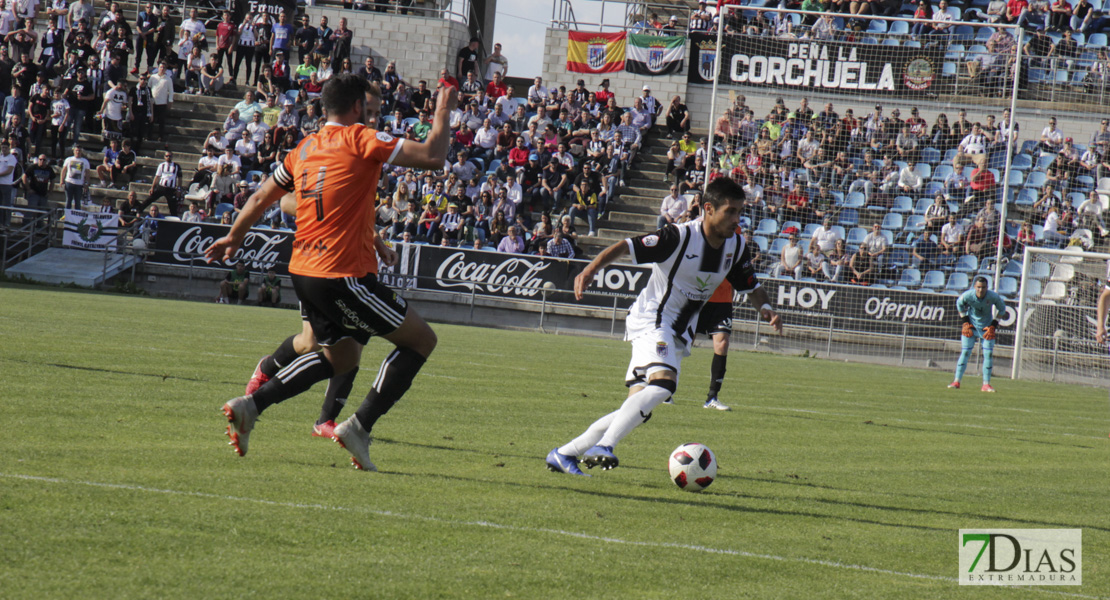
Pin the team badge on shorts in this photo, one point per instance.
(650, 241)
(661, 349)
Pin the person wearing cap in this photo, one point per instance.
(651, 103)
(671, 28)
(466, 60)
(450, 226)
(603, 94)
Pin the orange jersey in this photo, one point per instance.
(723, 293)
(334, 174)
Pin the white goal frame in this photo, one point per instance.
(1027, 304)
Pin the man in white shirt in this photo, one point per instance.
(167, 181)
(951, 235)
(8, 163)
(485, 140)
(513, 190)
(825, 237)
(194, 26)
(1052, 139)
(229, 158)
(651, 103)
(875, 243)
(161, 91)
(942, 19)
(256, 129)
(537, 94)
(672, 209)
(247, 151)
(112, 111)
(74, 177)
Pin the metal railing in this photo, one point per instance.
(32, 235)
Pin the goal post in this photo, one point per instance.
(1055, 328)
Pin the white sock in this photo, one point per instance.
(579, 445)
(635, 411)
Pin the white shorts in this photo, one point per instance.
(653, 351)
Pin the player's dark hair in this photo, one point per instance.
(341, 93)
(720, 191)
(980, 278)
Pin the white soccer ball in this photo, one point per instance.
(693, 467)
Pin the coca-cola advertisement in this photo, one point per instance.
(183, 244)
(525, 277)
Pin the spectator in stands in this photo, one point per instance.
(1090, 214)
(1052, 139)
(193, 215)
(235, 284)
(952, 236)
(467, 59)
(978, 238)
(37, 180)
(876, 245)
(973, 148)
(672, 208)
(790, 259)
(925, 253)
(1025, 238)
(496, 64)
(75, 171)
(862, 267)
(513, 243)
(246, 39)
(161, 86)
(837, 260)
(1049, 198)
(825, 237)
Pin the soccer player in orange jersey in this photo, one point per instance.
(334, 174)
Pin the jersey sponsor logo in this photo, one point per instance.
(661, 349)
(384, 137)
(650, 241)
(355, 321)
(691, 256)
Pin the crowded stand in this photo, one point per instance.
(855, 194)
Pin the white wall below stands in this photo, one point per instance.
(420, 45)
(626, 86)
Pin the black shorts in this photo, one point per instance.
(715, 317)
(354, 307)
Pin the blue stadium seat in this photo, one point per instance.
(1013, 269)
(983, 34)
(898, 258)
(855, 200)
(963, 33)
(899, 27)
(1033, 288)
(915, 223)
(876, 26)
(1026, 197)
(1096, 40)
(1028, 146)
(967, 263)
(855, 236)
(911, 44)
(942, 172)
(222, 208)
(761, 243)
(1044, 162)
(892, 221)
(1036, 179)
(948, 69)
(950, 154)
(1016, 179)
(923, 205)
(1021, 162)
(934, 280)
(849, 217)
(911, 278)
(902, 204)
(812, 227)
(924, 170)
(931, 156)
(796, 225)
(1075, 199)
(776, 247)
(955, 52)
(958, 282)
(1008, 286)
(891, 41)
(1085, 183)
(1037, 75)
(767, 227)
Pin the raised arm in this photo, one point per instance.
(432, 152)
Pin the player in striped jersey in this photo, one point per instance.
(689, 262)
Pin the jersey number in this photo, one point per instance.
(315, 193)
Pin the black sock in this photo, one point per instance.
(717, 374)
(339, 389)
(281, 357)
(396, 375)
(300, 375)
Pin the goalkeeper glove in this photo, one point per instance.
(968, 330)
(989, 332)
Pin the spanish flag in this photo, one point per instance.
(595, 52)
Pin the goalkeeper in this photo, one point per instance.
(978, 321)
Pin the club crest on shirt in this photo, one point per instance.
(650, 241)
(661, 349)
(384, 137)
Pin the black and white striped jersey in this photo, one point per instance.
(685, 272)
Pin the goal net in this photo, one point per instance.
(858, 123)
(1055, 337)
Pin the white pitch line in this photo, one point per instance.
(502, 527)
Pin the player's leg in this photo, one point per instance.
(290, 349)
(414, 339)
(717, 370)
(966, 344)
(335, 398)
(988, 364)
(635, 411)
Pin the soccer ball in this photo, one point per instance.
(693, 467)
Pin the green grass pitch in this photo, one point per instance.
(836, 480)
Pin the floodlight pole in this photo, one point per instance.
(722, 19)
